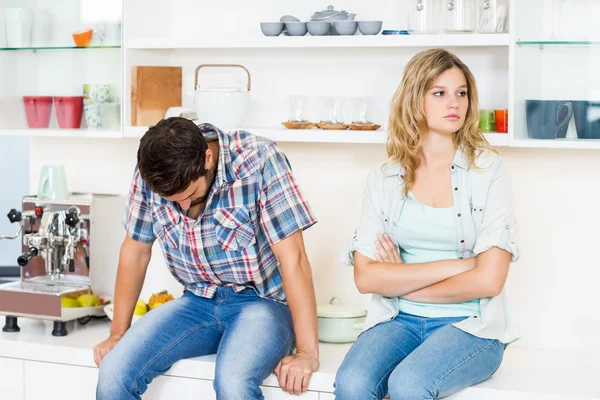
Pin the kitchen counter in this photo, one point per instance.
(524, 372)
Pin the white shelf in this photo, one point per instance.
(582, 144)
(75, 133)
(321, 136)
(256, 42)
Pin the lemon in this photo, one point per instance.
(140, 308)
(90, 299)
(68, 302)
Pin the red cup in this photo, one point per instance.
(501, 121)
(37, 111)
(69, 110)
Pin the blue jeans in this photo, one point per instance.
(415, 358)
(249, 334)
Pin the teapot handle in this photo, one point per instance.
(219, 65)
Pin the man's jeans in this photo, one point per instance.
(415, 358)
(249, 334)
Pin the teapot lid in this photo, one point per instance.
(330, 12)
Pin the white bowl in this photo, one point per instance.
(109, 313)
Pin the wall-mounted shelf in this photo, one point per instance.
(255, 42)
(558, 43)
(322, 136)
(581, 144)
(75, 133)
(58, 48)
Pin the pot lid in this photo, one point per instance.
(337, 309)
(325, 14)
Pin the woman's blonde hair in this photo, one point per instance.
(408, 123)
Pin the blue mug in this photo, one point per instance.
(587, 119)
(548, 119)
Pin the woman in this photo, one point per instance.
(434, 244)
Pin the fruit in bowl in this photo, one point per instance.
(90, 299)
(141, 308)
(83, 298)
(159, 298)
(68, 302)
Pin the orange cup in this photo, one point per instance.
(83, 38)
(501, 121)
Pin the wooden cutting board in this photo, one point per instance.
(153, 91)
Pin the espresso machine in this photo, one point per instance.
(69, 246)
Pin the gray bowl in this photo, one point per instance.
(369, 27)
(295, 28)
(345, 27)
(271, 28)
(318, 28)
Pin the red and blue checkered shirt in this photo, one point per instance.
(254, 203)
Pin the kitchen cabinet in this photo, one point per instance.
(48, 51)
(165, 387)
(48, 381)
(555, 63)
(12, 379)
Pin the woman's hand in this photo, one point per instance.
(387, 251)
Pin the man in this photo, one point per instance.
(229, 216)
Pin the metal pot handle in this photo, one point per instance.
(333, 301)
(219, 65)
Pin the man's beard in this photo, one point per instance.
(210, 180)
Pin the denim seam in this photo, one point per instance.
(384, 375)
(463, 363)
(217, 318)
(135, 388)
(271, 359)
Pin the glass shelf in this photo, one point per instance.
(57, 48)
(559, 43)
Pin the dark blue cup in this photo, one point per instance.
(587, 119)
(548, 119)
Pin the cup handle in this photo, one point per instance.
(43, 188)
(566, 120)
(100, 35)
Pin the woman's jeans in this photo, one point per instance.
(249, 334)
(415, 358)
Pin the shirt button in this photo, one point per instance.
(507, 227)
(459, 215)
(462, 241)
(455, 188)
(453, 167)
(394, 224)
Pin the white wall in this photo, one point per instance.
(14, 184)
(556, 191)
(552, 288)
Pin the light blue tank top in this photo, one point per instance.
(428, 234)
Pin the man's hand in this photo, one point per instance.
(387, 251)
(102, 348)
(294, 372)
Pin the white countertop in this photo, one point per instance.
(557, 372)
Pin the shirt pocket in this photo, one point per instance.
(233, 228)
(166, 226)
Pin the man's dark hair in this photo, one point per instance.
(172, 155)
